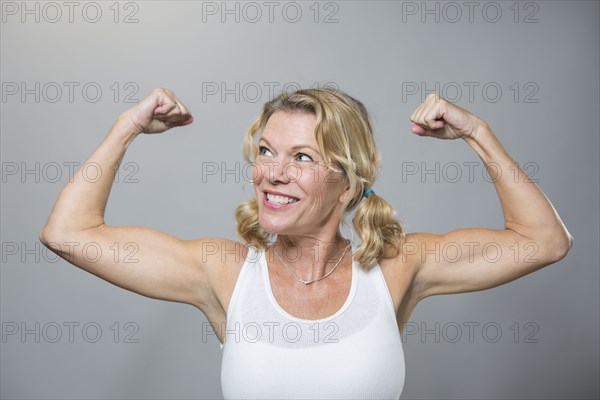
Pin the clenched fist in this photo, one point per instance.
(436, 117)
(158, 112)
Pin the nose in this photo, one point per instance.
(276, 171)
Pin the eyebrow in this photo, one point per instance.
(296, 147)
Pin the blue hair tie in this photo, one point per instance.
(368, 192)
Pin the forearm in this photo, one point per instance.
(82, 202)
(526, 209)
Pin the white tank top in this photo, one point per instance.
(355, 353)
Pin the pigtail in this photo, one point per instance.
(248, 228)
(381, 234)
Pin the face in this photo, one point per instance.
(296, 193)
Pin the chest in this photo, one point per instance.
(313, 301)
(321, 299)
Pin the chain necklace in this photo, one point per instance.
(314, 280)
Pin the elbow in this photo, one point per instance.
(43, 236)
(48, 237)
(567, 246)
(560, 247)
(53, 237)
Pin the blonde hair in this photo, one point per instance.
(345, 139)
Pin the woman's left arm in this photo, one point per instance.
(533, 236)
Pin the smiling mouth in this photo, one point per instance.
(280, 200)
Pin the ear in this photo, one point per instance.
(347, 195)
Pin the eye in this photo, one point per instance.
(303, 157)
(263, 151)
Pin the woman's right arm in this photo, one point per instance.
(139, 259)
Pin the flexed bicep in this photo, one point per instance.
(473, 259)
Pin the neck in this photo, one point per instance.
(310, 257)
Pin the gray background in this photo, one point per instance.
(375, 51)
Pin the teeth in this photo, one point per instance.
(280, 199)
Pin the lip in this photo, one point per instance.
(277, 206)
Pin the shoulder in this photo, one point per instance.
(216, 255)
(401, 270)
(220, 261)
(410, 251)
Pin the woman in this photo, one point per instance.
(302, 311)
